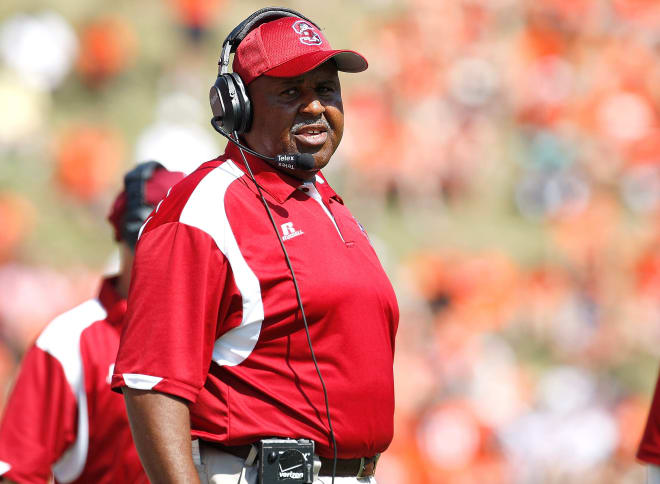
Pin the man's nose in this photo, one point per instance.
(312, 106)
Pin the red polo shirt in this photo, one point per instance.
(61, 418)
(213, 316)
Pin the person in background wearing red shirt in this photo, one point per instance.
(221, 340)
(649, 447)
(62, 421)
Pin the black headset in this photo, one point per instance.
(137, 210)
(229, 98)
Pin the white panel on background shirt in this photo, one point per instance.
(206, 211)
(61, 339)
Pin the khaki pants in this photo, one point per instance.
(653, 474)
(217, 467)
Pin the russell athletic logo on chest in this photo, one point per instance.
(289, 232)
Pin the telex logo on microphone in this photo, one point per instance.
(286, 161)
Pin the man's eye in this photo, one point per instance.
(289, 92)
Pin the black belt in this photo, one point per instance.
(363, 467)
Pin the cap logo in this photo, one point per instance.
(306, 33)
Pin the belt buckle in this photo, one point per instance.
(364, 472)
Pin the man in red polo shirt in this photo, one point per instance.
(61, 419)
(215, 344)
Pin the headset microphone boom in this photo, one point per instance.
(301, 161)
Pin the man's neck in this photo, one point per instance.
(126, 264)
(123, 283)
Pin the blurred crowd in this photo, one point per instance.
(504, 156)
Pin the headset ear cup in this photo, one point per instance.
(137, 210)
(133, 222)
(224, 102)
(215, 98)
(244, 122)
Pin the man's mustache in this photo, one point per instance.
(310, 122)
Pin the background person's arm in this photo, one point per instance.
(160, 425)
(40, 419)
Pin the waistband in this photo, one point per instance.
(358, 467)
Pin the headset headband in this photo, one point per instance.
(259, 17)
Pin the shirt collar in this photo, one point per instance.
(112, 302)
(277, 184)
(326, 190)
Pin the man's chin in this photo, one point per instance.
(320, 153)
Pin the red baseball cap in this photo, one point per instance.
(155, 190)
(289, 47)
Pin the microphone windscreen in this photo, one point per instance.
(305, 161)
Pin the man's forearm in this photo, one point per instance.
(160, 425)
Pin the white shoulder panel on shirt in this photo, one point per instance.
(205, 210)
(61, 339)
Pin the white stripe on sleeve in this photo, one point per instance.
(205, 210)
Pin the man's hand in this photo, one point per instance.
(160, 425)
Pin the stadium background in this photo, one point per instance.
(504, 156)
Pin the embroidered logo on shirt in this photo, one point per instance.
(288, 232)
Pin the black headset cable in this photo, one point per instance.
(300, 305)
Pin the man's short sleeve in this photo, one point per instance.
(39, 422)
(174, 301)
